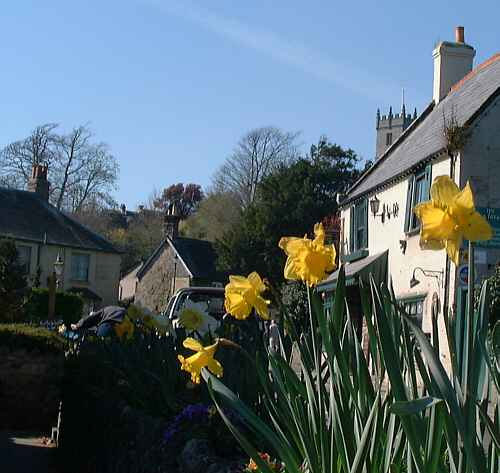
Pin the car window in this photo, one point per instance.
(212, 304)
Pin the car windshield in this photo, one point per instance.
(209, 302)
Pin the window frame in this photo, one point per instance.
(388, 139)
(358, 221)
(25, 265)
(412, 224)
(74, 275)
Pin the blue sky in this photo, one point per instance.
(171, 85)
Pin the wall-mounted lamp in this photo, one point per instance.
(386, 209)
(428, 273)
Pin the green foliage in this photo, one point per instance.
(69, 306)
(12, 283)
(494, 296)
(216, 214)
(290, 201)
(295, 305)
(27, 337)
(333, 415)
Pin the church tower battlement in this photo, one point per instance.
(390, 127)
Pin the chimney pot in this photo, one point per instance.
(459, 34)
(38, 182)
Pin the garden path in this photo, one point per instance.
(22, 452)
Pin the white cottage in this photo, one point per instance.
(379, 231)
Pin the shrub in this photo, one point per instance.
(69, 307)
(12, 283)
(27, 337)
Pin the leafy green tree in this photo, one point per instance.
(291, 200)
(13, 283)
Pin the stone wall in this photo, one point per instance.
(29, 388)
(156, 286)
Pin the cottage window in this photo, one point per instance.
(418, 191)
(359, 226)
(24, 258)
(80, 263)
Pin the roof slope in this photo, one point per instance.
(198, 255)
(424, 138)
(24, 215)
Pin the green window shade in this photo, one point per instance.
(351, 229)
(418, 191)
(409, 208)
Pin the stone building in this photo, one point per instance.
(380, 232)
(177, 262)
(43, 234)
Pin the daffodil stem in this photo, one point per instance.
(469, 317)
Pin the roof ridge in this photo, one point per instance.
(474, 71)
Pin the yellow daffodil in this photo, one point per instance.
(244, 294)
(308, 260)
(203, 358)
(125, 328)
(449, 217)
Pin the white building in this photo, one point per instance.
(387, 243)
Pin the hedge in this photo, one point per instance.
(27, 337)
(69, 307)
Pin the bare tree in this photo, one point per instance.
(256, 155)
(81, 172)
(18, 158)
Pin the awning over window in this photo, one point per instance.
(361, 269)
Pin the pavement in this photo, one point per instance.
(22, 452)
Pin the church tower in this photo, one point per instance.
(390, 127)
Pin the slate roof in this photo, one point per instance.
(26, 216)
(423, 139)
(198, 256)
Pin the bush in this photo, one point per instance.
(12, 283)
(22, 336)
(69, 307)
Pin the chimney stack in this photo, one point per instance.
(452, 62)
(38, 182)
(171, 222)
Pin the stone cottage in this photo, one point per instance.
(177, 262)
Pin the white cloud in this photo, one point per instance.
(286, 51)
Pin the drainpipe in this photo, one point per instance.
(447, 270)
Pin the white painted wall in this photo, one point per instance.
(387, 236)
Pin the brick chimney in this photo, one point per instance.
(38, 182)
(452, 62)
(171, 222)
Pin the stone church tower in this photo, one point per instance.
(390, 127)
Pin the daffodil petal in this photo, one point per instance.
(261, 307)
(444, 191)
(477, 228)
(453, 249)
(237, 306)
(215, 367)
(464, 200)
(437, 224)
(256, 282)
(192, 344)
